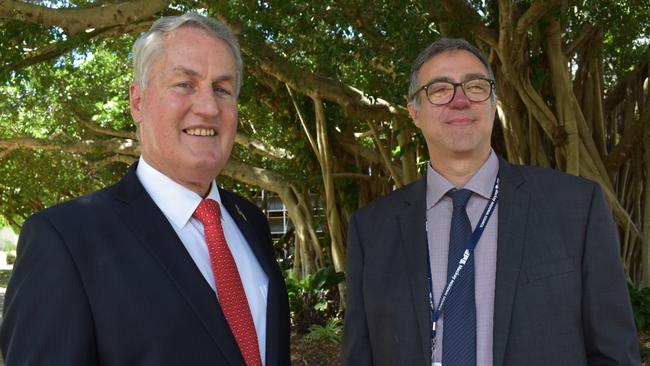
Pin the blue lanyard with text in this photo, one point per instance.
(469, 249)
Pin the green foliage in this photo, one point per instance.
(366, 47)
(626, 31)
(11, 257)
(312, 299)
(284, 250)
(640, 298)
(348, 41)
(51, 101)
(330, 332)
(31, 180)
(5, 274)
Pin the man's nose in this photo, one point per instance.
(205, 103)
(460, 99)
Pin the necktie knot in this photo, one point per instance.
(208, 212)
(460, 197)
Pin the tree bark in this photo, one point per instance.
(335, 224)
(75, 20)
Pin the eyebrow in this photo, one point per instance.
(184, 70)
(193, 73)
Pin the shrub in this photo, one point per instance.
(331, 332)
(11, 256)
(640, 298)
(314, 298)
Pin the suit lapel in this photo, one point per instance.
(412, 220)
(250, 233)
(513, 214)
(154, 232)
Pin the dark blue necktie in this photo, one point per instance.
(459, 314)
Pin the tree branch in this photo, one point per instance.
(254, 176)
(628, 142)
(356, 149)
(52, 51)
(385, 155)
(115, 146)
(532, 15)
(353, 100)
(117, 158)
(303, 123)
(363, 19)
(260, 148)
(463, 13)
(75, 20)
(583, 39)
(619, 92)
(84, 120)
(504, 44)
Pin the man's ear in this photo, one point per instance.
(135, 99)
(415, 113)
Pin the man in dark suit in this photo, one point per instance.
(541, 284)
(147, 272)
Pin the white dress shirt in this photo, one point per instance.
(178, 204)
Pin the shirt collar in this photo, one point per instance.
(481, 183)
(161, 188)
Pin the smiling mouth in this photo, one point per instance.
(200, 131)
(460, 121)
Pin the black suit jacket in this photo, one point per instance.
(105, 280)
(560, 292)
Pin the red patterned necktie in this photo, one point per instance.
(232, 297)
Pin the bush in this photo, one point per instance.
(640, 298)
(5, 274)
(11, 257)
(331, 332)
(314, 298)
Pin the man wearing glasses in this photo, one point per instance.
(482, 262)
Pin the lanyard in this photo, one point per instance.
(469, 250)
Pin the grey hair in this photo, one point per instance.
(149, 44)
(437, 47)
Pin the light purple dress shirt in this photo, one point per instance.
(439, 209)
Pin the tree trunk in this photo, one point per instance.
(335, 225)
(644, 280)
(308, 256)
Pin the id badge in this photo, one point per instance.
(436, 364)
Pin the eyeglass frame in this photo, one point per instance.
(426, 86)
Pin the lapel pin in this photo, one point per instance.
(241, 213)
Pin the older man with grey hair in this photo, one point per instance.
(165, 267)
(482, 262)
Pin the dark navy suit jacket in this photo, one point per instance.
(105, 280)
(560, 292)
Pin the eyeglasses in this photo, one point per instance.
(443, 92)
